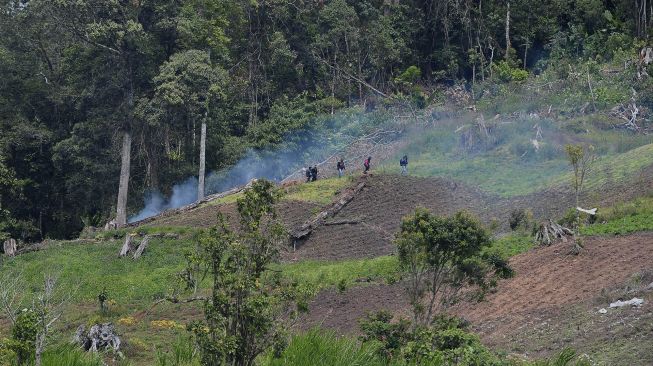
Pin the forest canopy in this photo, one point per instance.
(78, 76)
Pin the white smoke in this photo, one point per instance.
(269, 164)
(183, 193)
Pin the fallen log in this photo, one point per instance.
(343, 222)
(307, 227)
(550, 231)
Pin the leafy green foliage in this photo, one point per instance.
(23, 336)
(241, 313)
(505, 72)
(440, 256)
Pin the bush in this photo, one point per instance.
(390, 336)
(23, 336)
(520, 218)
(507, 73)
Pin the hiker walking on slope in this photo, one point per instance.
(308, 173)
(404, 165)
(366, 164)
(314, 174)
(341, 168)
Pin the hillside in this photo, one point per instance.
(550, 304)
(154, 200)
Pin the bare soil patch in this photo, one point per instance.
(551, 303)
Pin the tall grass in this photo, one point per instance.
(70, 356)
(328, 274)
(320, 347)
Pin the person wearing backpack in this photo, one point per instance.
(404, 165)
(366, 164)
(309, 173)
(314, 174)
(341, 168)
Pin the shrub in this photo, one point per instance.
(520, 218)
(391, 336)
(23, 336)
(507, 73)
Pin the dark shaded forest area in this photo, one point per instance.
(86, 81)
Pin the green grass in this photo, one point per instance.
(320, 347)
(322, 191)
(623, 218)
(85, 268)
(232, 198)
(513, 244)
(329, 274)
(120, 233)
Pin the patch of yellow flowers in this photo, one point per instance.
(166, 324)
(128, 321)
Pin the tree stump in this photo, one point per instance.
(127, 246)
(99, 337)
(10, 247)
(549, 232)
(141, 247)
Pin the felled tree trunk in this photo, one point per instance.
(549, 232)
(141, 247)
(121, 207)
(307, 227)
(9, 247)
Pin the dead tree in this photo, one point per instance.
(121, 207)
(202, 172)
(11, 292)
(48, 307)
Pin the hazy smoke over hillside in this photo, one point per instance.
(270, 164)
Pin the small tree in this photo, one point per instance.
(581, 159)
(246, 298)
(440, 256)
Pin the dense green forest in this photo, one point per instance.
(83, 80)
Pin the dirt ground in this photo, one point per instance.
(291, 213)
(551, 303)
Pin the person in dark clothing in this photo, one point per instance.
(308, 173)
(367, 163)
(314, 174)
(341, 168)
(404, 165)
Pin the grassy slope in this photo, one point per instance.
(501, 169)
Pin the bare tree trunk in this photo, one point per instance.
(121, 209)
(508, 32)
(200, 185)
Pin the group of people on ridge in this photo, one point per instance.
(311, 171)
